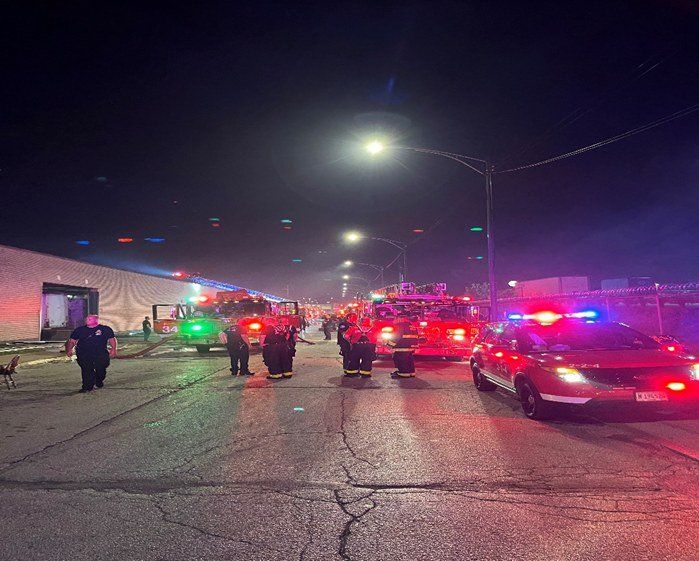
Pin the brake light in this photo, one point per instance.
(676, 386)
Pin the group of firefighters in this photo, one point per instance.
(358, 339)
(278, 342)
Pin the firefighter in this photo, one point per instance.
(238, 346)
(362, 339)
(347, 322)
(403, 343)
(291, 336)
(274, 349)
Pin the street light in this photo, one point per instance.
(354, 237)
(348, 263)
(484, 169)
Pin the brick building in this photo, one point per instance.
(44, 297)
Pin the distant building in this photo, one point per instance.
(552, 285)
(45, 297)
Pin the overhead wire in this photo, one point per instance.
(610, 140)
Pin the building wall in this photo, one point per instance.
(124, 297)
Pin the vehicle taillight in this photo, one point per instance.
(676, 386)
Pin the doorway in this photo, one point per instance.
(64, 307)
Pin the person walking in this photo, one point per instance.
(90, 343)
(274, 349)
(147, 329)
(325, 326)
(238, 346)
(404, 342)
(362, 338)
(346, 323)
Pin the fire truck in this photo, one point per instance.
(446, 324)
(200, 321)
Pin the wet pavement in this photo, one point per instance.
(175, 459)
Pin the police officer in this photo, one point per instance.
(349, 321)
(404, 342)
(275, 349)
(238, 346)
(90, 342)
(291, 334)
(362, 338)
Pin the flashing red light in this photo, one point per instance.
(670, 348)
(676, 386)
(203, 299)
(215, 224)
(178, 274)
(125, 240)
(466, 298)
(499, 354)
(255, 326)
(418, 231)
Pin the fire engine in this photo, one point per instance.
(200, 321)
(446, 324)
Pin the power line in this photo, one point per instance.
(610, 140)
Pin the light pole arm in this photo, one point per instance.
(400, 245)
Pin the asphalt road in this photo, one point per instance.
(174, 459)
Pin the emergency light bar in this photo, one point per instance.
(547, 317)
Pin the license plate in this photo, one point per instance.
(651, 396)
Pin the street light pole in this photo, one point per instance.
(487, 172)
(378, 268)
(492, 288)
(404, 253)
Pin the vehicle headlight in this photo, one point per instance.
(694, 372)
(570, 375)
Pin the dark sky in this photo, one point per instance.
(254, 113)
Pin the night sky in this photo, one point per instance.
(147, 121)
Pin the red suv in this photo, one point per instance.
(548, 358)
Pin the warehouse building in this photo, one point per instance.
(45, 297)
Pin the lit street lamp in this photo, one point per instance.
(354, 237)
(485, 169)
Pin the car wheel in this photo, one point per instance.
(533, 406)
(481, 382)
(203, 348)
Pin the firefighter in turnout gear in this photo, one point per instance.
(291, 334)
(342, 327)
(238, 346)
(362, 338)
(404, 342)
(275, 349)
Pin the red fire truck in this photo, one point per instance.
(200, 321)
(446, 324)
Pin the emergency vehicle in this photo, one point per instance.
(200, 321)
(446, 324)
(549, 358)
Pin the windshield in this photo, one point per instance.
(579, 336)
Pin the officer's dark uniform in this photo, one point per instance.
(288, 363)
(92, 353)
(342, 327)
(362, 339)
(404, 343)
(238, 350)
(275, 350)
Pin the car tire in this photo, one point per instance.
(533, 406)
(481, 382)
(203, 349)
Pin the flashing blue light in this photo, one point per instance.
(586, 314)
(214, 219)
(296, 260)
(83, 242)
(479, 257)
(155, 240)
(286, 221)
(515, 316)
